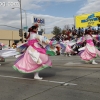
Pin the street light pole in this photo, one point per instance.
(21, 18)
(25, 15)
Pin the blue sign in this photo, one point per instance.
(39, 21)
(25, 27)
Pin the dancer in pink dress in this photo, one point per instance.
(69, 50)
(34, 58)
(90, 52)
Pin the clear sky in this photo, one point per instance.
(55, 12)
(60, 9)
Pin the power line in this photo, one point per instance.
(10, 26)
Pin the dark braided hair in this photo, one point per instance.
(32, 28)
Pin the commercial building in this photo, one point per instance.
(10, 36)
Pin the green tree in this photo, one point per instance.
(56, 30)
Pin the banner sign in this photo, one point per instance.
(86, 20)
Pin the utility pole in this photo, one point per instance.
(21, 19)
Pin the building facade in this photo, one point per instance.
(10, 36)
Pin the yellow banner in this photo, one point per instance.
(86, 20)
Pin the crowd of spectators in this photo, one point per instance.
(70, 34)
(74, 34)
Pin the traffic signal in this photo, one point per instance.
(25, 35)
(20, 32)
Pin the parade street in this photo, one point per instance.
(68, 79)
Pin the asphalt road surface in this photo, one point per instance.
(68, 79)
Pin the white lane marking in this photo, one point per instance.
(52, 81)
(72, 63)
(58, 59)
(63, 83)
(16, 77)
(66, 84)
